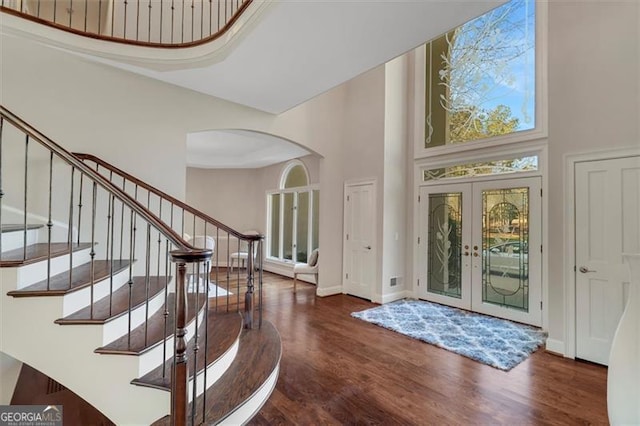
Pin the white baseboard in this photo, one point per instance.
(328, 291)
(392, 297)
(555, 346)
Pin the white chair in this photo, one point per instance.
(243, 256)
(309, 268)
(205, 242)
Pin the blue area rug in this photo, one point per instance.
(496, 342)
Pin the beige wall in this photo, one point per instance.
(594, 105)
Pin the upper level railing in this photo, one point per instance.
(152, 23)
(82, 206)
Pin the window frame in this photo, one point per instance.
(539, 132)
(309, 189)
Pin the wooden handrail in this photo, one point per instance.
(165, 196)
(123, 40)
(129, 201)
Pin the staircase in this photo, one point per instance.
(101, 292)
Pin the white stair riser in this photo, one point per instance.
(118, 327)
(36, 340)
(35, 272)
(77, 300)
(250, 408)
(154, 357)
(15, 239)
(215, 370)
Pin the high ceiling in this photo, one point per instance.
(280, 54)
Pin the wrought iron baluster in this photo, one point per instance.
(149, 27)
(80, 206)
(55, 9)
(113, 243)
(99, 16)
(238, 279)
(182, 26)
(26, 181)
(166, 308)
(70, 229)
(122, 219)
(49, 221)
(130, 282)
(218, 2)
(124, 33)
(138, 19)
(147, 283)
(86, 9)
(260, 266)
(113, 14)
(70, 11)
(161, 18)
(248, 298)
(206, 345)
(201, 19)
(92, 253)
(196, 347)
(173, 12)
(193, 18)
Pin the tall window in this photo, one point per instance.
(480, 77)
(293, 216)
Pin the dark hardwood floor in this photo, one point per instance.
(339, 370)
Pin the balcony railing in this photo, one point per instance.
(151, 23)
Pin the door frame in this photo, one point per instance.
(569, 258)
(374, 243)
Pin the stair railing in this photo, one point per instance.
(46, 183)
(189, 221)
(151, 23)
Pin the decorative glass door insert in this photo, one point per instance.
(476, 252)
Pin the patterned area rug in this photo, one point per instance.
(496, 342)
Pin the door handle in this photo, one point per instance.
(368, 247)
(585, 270)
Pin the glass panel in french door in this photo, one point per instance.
(445, 244)
(445, 235)
(507, 243)
(505, 247)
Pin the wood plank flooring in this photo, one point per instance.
(339, 370)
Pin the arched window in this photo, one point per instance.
(293, 215)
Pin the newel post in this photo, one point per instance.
(179, 395)
(180, 375)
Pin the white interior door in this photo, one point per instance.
(359, 240)
(480, 247)
(607, 225)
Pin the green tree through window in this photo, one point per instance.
(480, 77)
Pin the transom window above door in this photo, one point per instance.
(480, 78)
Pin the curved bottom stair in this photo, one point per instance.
(245, 386)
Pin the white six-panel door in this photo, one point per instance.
(359, 240)
(607, 197)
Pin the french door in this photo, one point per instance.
(480, 247)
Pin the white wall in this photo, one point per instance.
(395, 189)
(594, 104)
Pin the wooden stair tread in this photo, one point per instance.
(258, 356)
(38, 252)
(15, 227)
(105, 309)
(156, 331)
(224, 329)
(80, 276)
